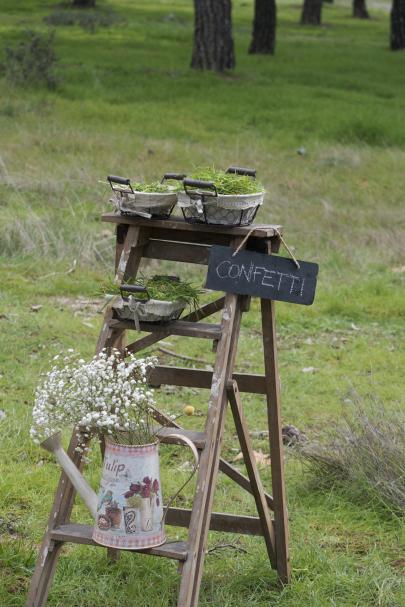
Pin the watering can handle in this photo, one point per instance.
(189, 443)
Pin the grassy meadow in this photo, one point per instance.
(128, 104)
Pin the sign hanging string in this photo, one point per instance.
(243, 242)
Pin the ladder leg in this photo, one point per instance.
(130, 253)
(49, 551)
(209, 461)
(253, 473)
(275, 437)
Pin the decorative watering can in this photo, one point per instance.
(128, 511)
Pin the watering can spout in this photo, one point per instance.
(54, 445)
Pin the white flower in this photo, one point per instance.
(105, 393)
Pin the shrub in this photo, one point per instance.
(32, 61)
(364, 453)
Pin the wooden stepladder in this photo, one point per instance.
(175, 240)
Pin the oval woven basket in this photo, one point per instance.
(152, 310)
(224, 209)
(152, 203)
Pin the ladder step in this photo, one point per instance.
(176, 327)
(198, 438)
(219, 521)
(82, 534)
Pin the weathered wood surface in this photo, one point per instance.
(220, 521)
(49, 552)
(176, 327)
(180, 225)
(200, 378)
(253, 472)
(276, 440)
(210, 456)
(199, 314)
(82, 534)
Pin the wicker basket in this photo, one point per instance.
(142, 204)
(152, 310)
(220, 210)
(201, 203)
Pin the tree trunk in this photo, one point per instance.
(84, 3)
(360, 9)
(264, 27)
(398, 25)
(311, 12)
(213, 43)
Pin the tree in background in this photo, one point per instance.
(213, 42)
(360, 9)
(84, 3)
(264, 27)
(311, 12)
(398, 25)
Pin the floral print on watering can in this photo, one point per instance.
(130, 503)
(130, 510)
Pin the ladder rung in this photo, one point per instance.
(82, 534)
(219, 521)
(175, 327)
(198, 438)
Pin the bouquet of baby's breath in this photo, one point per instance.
(106, 396)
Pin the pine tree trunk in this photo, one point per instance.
(360, 9)
(311, 12)
(264, 27)
(398, 25)
(213, 43)
(84, 3)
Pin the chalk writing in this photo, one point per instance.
(267, 276)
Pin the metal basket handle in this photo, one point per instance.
(242, 171)
(177, 176)
(207, 188)
(121, 181)
(134, 289)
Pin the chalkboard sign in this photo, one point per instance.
(265, 276)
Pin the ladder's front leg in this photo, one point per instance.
(49, 551)
(210, 456)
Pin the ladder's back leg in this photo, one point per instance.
(275, 437)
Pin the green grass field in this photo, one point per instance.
(127, 103)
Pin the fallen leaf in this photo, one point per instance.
(353, 326)
(36, 308)
(398, 270)
(400, 563)
(309, 369)
(261, 459)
